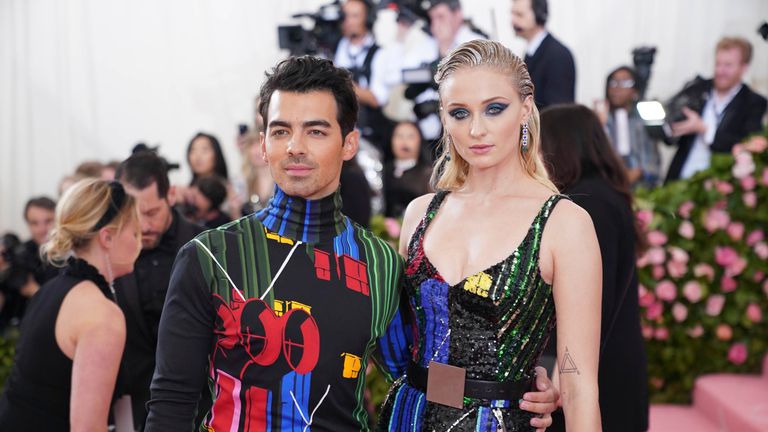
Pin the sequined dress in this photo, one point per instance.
(494, 323)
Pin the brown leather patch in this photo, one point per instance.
(445, 384)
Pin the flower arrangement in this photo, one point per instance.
(703, 286)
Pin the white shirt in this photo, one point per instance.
(700, 154)
(621, 119)
(535, 43)
(350, 56)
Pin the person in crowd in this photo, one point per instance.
(550, 62)
(255, 187)
(582, 164)
(626, 128)
(356, 193)
(141, 293)
(494, 257)
(407, 176)
(70, 346)
(358, 52)
(282, 277)
(208, 194)
(89, 169)
(205, 157)
(449, 29)
(729, 111)
(108, 170)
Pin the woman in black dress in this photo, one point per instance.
(406, 177)
(73, 335)
(582, 163)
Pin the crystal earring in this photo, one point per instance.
(524, 139)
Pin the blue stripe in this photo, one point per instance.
(354, 251)
(285, 217)
(306, 220)
(269, 410)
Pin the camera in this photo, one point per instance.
(321, 39)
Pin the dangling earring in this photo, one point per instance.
(524, 139)
(449, 144)
(111, 277)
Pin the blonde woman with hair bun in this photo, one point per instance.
(495, 257)
(73, 333)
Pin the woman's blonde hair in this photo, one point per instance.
(81, 210)
(450, 168)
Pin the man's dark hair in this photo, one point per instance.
(213, 188)
(540, 11)
(143, 168)
(41, 202)
(628, 69)
(453, 5)
(307, 74)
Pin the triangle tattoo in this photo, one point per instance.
(568, 365)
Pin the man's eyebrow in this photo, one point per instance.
(315, 123)
(278, 123)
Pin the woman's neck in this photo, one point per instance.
(502, 179)
(96, 258)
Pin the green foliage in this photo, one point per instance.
(7, 353)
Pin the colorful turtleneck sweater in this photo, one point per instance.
(280, 311)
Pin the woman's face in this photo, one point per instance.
(406, 142)
(202, 158)
(126, 248)
(621, 89)
(483, 113)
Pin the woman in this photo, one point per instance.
(484, 277)
(255, 187)
(208, 194)
(205, 157)
(582, 164)
(638, 151)
(407, 176)
(73, 335)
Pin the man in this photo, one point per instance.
(358, 52)
(730, 113)
(283, 308)
(449, 30)
(549, 62)
(141, 294)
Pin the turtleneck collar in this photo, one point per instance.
(310, 221)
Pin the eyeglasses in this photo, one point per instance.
(625, 84)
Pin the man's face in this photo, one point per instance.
(729, 68)
(445, 23)
(39, 222)
(155, 215)
(303, 143)
(353, 25)
(523, 19)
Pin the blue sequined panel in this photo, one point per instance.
(494, 324)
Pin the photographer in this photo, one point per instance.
(720, 112)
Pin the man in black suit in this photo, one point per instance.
(549, 62)
(730, 113)
(141, 294)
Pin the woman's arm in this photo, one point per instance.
(91, 331)
(577, 284)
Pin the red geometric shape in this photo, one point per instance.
(356, 275)
(322, 265)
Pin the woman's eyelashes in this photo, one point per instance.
(492, 109)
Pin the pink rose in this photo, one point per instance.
(392, 226)
(724, 332)
(757, 144)
(646, 299)
(761, 250)
(764, 180)
(654, 311)
(704, 270)
(686, 230)
(679, 312)
(736, 267)
(748, 183)
(755, 236)
(685, 209)
(738, 353)
(723, 187)
(678, 255)
(657, 238)
(658, 272)
(725, 256)
(666, 291)
(727, 284)
(744, 165)
(715, 304)
(708, 184)
(735, 231)
(754, 313)
(692, 291)
(645, 217)
(758, 277)
(647, 332)
(696, 331)
(661, 334)
(765, 287)
(716, 219)
(750, 199)
(656, 255)
(677, 269)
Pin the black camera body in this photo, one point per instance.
(321, 39)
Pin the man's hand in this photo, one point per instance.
(544, 401)
(693, 124)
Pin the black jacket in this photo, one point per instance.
(141, 295)
(553, 73)
(741, 117)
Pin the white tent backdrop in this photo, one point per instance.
(87, 79)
